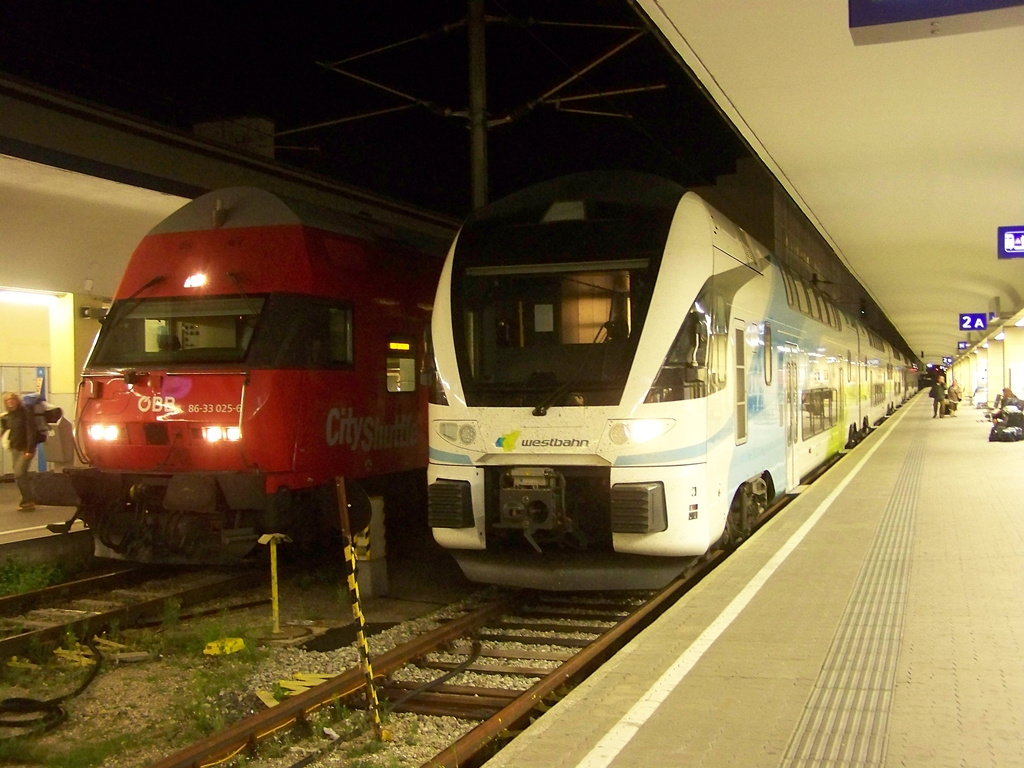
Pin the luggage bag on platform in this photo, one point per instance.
(1005, 434)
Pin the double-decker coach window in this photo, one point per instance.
(819, 411)
(810, 301)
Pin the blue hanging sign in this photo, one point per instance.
(887, 21)
(962, 345)
(973, 321)
(1011, 242)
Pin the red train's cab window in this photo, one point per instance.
(401, 365)
(339, 335)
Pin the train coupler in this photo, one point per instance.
(532, 499)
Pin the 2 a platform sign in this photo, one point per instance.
(973, 321)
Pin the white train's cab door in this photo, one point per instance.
(792, 411)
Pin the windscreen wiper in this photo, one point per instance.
(561, 389)
(124, 307)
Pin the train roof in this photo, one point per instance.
(247, 239)
(244, 207)
(625, 189)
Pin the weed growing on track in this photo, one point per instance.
(19, 751)
(197, 693)
(17, 577)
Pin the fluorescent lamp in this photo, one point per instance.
(28, 297)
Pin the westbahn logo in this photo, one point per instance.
(507, 442)
(511, 441)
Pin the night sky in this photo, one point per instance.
(182, 63)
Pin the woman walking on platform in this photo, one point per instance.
(19, 423)
(938, 395)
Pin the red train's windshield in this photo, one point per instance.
(267, 331)
(210, 329)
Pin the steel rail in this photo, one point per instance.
(473, 748)
(249, 732)
(25, 601)
(470, 750)
(124, 616)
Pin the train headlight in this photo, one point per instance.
(104, 432)
(461, 433)
(217, 434)
(623, 432)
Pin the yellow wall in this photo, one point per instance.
(44, 335)
(63, 374)
(24, 334)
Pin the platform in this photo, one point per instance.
(23, 535)
(876, 621)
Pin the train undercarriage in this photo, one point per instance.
(207, 519)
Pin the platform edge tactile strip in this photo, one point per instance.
(845, 720)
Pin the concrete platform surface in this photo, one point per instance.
(876, 622)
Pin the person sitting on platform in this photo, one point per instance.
(1010, 410)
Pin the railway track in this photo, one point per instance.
(500, 665)
(90, 606)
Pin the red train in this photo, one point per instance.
(255, 350)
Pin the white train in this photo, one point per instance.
(624, 378)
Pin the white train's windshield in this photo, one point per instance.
(550, 292)
(537, 328)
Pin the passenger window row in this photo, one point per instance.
(876, 341)
(807, 299)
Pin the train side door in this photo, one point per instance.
(740, 376)
(792, 410)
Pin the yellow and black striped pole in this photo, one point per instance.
(357, 613)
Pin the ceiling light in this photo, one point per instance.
(28, 297)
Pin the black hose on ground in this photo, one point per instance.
(37, 716)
